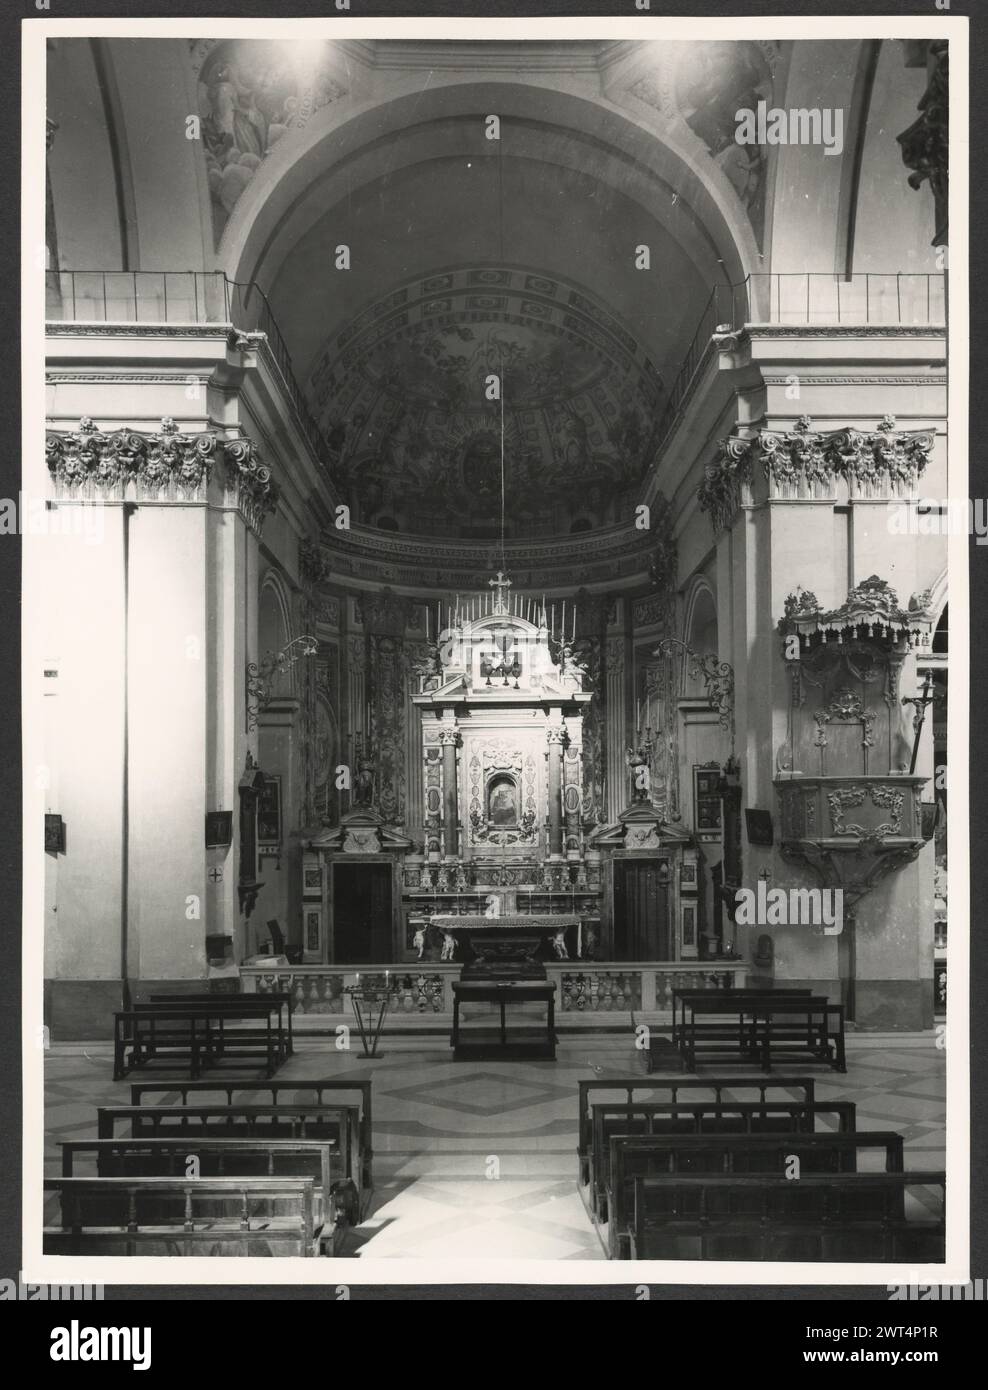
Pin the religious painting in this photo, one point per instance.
(502, 801)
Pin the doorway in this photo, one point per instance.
(641, 912)
(362, 914)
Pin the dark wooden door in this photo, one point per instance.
(641, 912)
(362, 914)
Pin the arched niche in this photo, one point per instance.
(702, 635)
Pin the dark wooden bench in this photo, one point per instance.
(651, 1155)
(756, 1029)
(176, 1216)
(672, 1088)
(747, 992)
(200, 1035)
(282, 997)
(251, 1092)
(704, 1117)
(340, 1123)
(846, 1216)
(218, 1158)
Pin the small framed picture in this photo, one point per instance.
(687, 874)
(312, 879)
(54, 835)
(269, 812)
(759, 825)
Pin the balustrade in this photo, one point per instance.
(420, 997)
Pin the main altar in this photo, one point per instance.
(510, 850)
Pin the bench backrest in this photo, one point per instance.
(841, 1197)
(120, 1209)
(674, 1088)
(318, 1159)
(649, 1155)
(316, 1091)
(699, 1117)
(287, 1121)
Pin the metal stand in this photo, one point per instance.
(369, 1028)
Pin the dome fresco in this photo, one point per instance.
(401, 396)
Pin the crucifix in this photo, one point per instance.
(919, 703)
(500, 585)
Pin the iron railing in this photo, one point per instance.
(178, 297)
(209, 297)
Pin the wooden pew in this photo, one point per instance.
(218, 1158)
(672, 1087)
(282, 997)
(230, 1008)
(310, 1091)
(680, 996)
(723, 1028)
(703, 1117)
(649, 1155)
(177, 1216)
(340, 1123)
(198, 1036)
(845, 1216)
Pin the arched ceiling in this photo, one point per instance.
(400, 393)
(468, 255)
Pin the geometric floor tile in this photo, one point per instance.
(479, 1160)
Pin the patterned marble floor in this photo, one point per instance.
(478, 1159)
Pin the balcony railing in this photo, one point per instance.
(177, 297)
(895, 299)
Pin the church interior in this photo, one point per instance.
(495, 601)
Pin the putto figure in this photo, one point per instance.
(449, 946)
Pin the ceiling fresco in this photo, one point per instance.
(415, 443)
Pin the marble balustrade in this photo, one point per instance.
(419, 997)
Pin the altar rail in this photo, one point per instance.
(585, 993)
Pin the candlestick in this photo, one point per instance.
(562, 621)
(427, 622)
(574, 622)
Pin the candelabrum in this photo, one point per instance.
(260, 674)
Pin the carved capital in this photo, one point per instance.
(249, 481)
(167, 464)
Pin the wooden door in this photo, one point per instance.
(641, 912)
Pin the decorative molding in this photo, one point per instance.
(312, 567)
(726, 483)
(803, 463)
(839, 331)
(167, 463)
(249, 482)
(871, 610)
(855, 379)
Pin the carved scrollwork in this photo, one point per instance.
(167, 460)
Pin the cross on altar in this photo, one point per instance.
(500, 585)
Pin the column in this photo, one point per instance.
(448, 735)
(555, 735)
